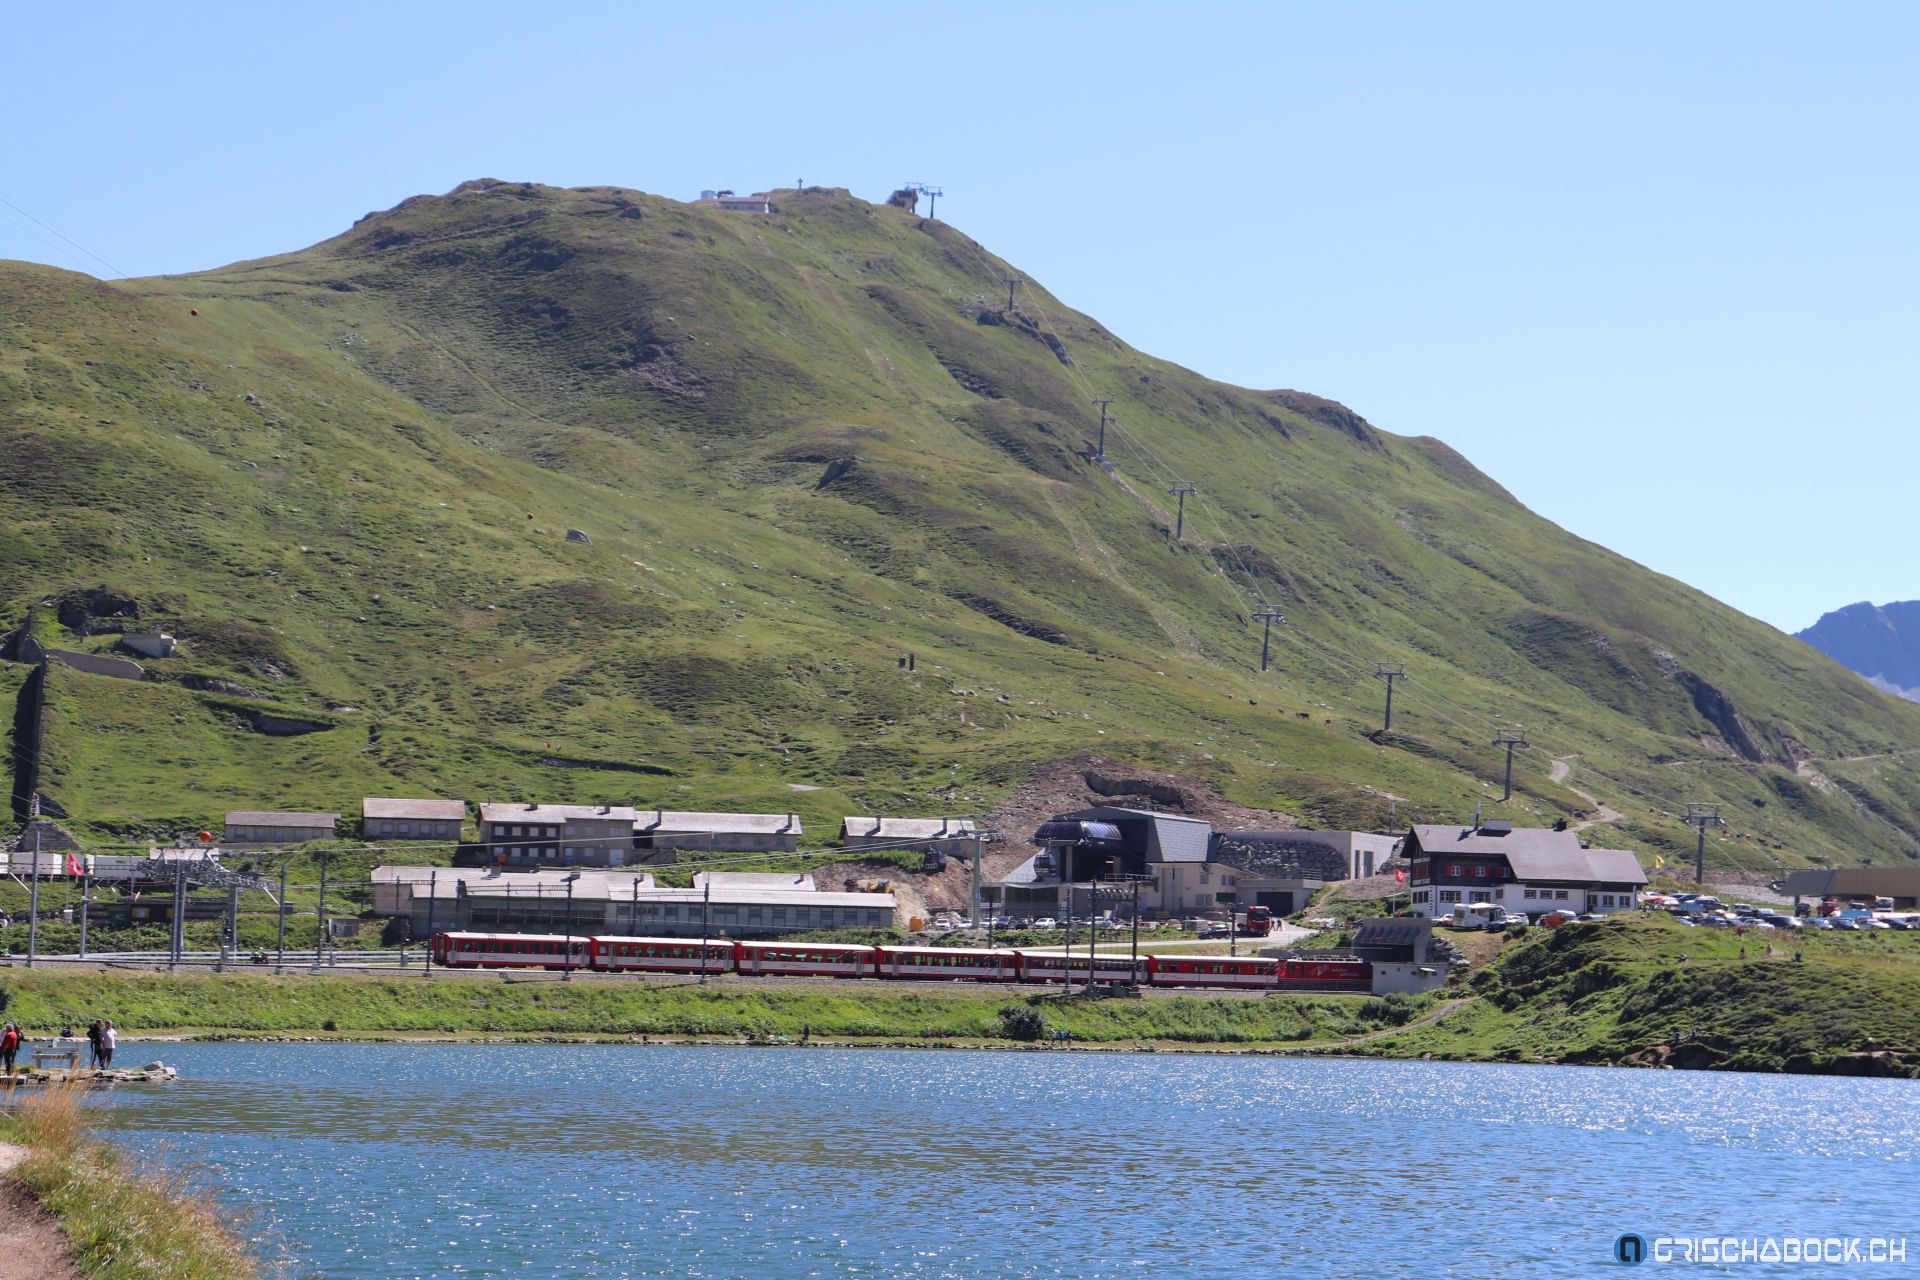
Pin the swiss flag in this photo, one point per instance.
(75, 867)
(1399, 876)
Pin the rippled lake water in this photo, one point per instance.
(392, 1161)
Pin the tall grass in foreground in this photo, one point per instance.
(125, 1219)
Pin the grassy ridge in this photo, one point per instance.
(346, 484)
(465, 1004)
(1652, 992)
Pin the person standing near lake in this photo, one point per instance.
(10, 1038)
(93, 1043)
(108, 1039)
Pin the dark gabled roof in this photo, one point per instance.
(1534, 853)
(1616, 866)
(1442, 840)
(1392, 931)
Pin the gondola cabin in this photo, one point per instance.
(948, 962)
(815, 959)
(511, 951)
(663, 955)
(1053, 967)
(1211, 971)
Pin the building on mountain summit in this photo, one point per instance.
(758, 202)
(1526, 870)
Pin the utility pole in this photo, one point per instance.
(973, 894)
(1266, 618)
(1510, 738)
(1700, 817)
(1134, 977)
(706, 922)
(179, 939)
(280, 941)
(1100, 450)
(86, 900)
(433, 885)
(33, 903)
(230, 930)
(566, 964)
(1389, 674)
(1011, 281)
(1093, 930)
(320, 915)
(1180, 520)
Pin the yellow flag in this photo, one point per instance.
(1659, 863)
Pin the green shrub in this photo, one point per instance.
(1023, 1022)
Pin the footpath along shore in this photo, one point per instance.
(32, 1246)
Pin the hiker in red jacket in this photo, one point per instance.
(9, 1046)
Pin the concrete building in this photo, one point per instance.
(936, 838)
(758, 202)
(150, 644)
(1284, 869)
(1364, 852)
(657, 833)
(942, 835)
(1526, 870)
(1190, 868)
(397, 888)
(1400, 949)
(382, 818)
(1167, 851)
(783, 881)
(1856, 884)
(613, 902)
(263, 827)
(583, 835)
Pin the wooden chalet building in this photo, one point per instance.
(1526, 870)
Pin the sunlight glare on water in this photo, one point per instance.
(591, 1161)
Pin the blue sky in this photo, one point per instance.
(1653, 267)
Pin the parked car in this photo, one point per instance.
(1841, 922)
(1046, 922)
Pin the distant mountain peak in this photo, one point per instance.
(1881, 642)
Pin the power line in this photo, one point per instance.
(69, 239)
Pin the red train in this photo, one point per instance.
(844, 960)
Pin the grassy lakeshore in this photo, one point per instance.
(472, 1005)
(123, 1220)
(1639, 991)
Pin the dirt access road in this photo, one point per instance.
(1561, 768)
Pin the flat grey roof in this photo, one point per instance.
(434, 810)
(277, 818)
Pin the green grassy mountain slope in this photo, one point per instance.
(346, 483)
